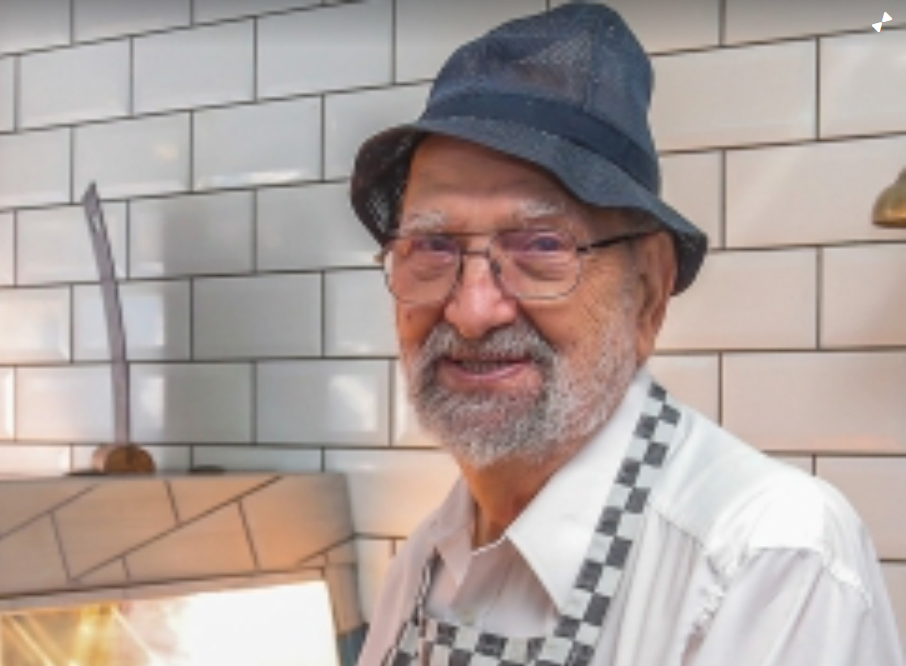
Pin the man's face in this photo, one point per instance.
(492, 376)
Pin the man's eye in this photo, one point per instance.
(536, 243)
(433, 245)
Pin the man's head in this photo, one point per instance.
(520, 326)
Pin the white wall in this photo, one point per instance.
(221, 134)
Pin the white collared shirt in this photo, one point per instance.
(742, 561)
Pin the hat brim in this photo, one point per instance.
(382, 166)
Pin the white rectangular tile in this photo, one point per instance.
(734, 96)
(311, 226)
(770, 202)
(692, 379)
(358, 312)
(872, 484)
(68, 403)
(103, 18)
(350, 118)
(862, 82)
(7, 249)
(392, 491)
(7, 94)
(214, 10)
(134, 157)
(355, 39)
(257, 458)
(73, 85)
(772, 19)
(34, 168)
(859, 287)
(693, 185)
(817, 402)
(27, 24)
(667, 25)
(168, 459)
(7, 403)
(35, 325)
(32, 459)
(263, 144)
(323, 402)
(273, 315)
(895, 581)
(428, 31)
(190, 68)
(191, 235)
(778, 311)
(407, 431)
(373, 557)
(54, 245)
(155, 315)
(203, 402)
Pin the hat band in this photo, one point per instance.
(558, 119)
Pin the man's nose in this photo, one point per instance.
(478, 303)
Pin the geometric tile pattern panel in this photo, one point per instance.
(84, 534)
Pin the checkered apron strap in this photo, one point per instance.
(582, 619)
(428, 642)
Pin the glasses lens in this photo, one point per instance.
(422, 268)
(537, 263)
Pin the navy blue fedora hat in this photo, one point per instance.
(567, 90)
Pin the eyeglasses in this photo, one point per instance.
(528, 264)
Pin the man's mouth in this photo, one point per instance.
(483, 370)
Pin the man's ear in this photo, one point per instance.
(656, 273)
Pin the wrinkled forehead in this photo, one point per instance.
(455, 186)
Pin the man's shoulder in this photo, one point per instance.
(737, 502)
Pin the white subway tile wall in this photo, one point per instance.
(790, 195)
(94, 19)
(221, 134)
(35, 168)
(156, 318)
(358, 315)
(734, 96)
(311, 227)
(350, 118)
(7, 403)
(26, 24)
(263, 316)
(35, 325)
(7, 249)
(862, 83)
(261, 144)
(190, 68)
(7, 94)
(53, 244)
(72, 85)
(133, 157)
(198, 234)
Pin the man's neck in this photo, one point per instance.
(502, 490)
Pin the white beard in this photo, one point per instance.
(572, 403)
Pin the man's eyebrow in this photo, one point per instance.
(424, 222)
(534, 209)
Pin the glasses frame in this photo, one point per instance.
(580, 250)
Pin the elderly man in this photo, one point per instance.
(597, 521)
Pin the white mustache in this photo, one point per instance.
(518, 340)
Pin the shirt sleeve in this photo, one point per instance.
(791, 608)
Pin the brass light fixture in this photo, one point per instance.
(890, 208)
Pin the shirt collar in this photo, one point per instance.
(553, 532)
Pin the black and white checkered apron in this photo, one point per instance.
(424, 641)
